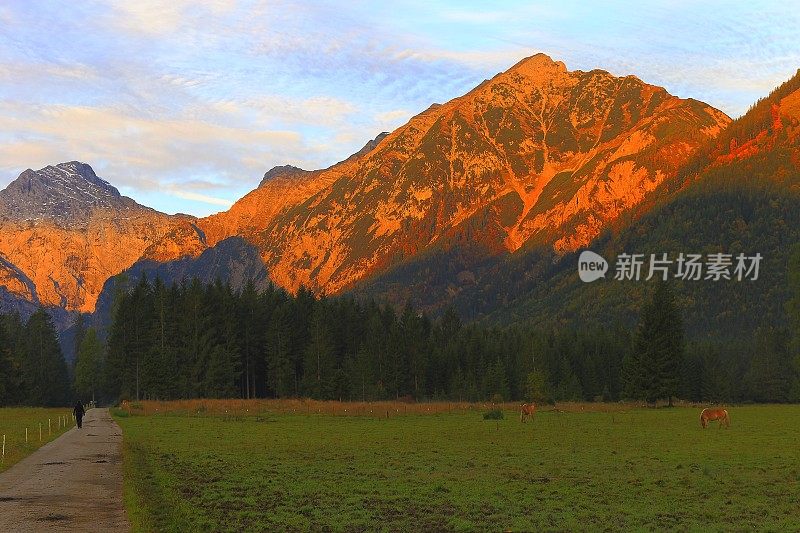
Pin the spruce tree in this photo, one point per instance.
(45, 375)
(319, 361)
(536, 388)
(632, 375)
(280, 373)
(79, 329)
(115, 361)
(793, 310)
(224, 366)
(769, 376)
(496, 382)
(250, 334)
(9, 370)
(658, 345)
(87, 366)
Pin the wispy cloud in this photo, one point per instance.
(202, 96)
(202, 198)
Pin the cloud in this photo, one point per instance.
(316, 110)
(484, 59)
(127, 146)
(202, 198)
(48, 73)
(160, 18)
(393, 115)
(204, 96)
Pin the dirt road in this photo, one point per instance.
(73, 483)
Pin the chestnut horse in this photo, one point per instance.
(709, 414)
(527, 410)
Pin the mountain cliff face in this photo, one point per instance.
(64, 231)
(739, 194)
(538, 154)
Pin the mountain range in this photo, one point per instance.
(480, 203)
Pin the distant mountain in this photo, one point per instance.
(66, 194)
(64, 231)
(282, 170)
(740, 193)
(538, 154)
(537, 158)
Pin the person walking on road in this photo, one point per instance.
(78, 411)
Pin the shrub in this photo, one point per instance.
(494, 414)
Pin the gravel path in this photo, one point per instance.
(73, 483)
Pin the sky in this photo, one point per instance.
(183, 105)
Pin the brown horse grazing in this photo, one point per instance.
(527, 410)
(709, 414)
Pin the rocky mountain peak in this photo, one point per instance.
(64, 231)
(371, 144)
(67, 192)
(538, 65)
(280, 171)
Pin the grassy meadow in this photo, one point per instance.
(276, 466)
(14, 420)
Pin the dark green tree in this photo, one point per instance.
(44, 370)
(770, 376)
(10, 377)
(793, 311)
(659, 347)
(319, 364)
(536, 387)
(79, 329)
(88, 366)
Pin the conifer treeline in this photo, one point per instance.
(195, 340)
(32, 368)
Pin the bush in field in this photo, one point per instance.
(494, 414)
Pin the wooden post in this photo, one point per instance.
(40, 432)
(4, 448)
(49, 429)
(26, 435)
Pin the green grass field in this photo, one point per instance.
(641, 469)
(14, 420)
